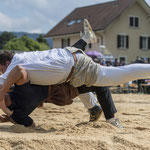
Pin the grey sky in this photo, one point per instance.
(37, 16)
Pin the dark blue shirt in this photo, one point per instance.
(25, 98)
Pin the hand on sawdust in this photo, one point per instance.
(4, 118)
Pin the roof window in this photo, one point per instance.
(74, 21)
(79, 20)
(116, 4)
(71, 23)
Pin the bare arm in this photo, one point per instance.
(18, 75)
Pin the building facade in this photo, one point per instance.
(122, 28)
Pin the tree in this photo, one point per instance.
(5, 37)
(25, 44)
(40, 39)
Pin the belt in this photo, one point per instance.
(72, 69)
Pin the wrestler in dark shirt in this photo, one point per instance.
(25, 98)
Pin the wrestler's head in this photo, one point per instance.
(5, 60)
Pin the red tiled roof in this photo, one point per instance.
(100, 16)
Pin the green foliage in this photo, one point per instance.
(25, 44)
(40, 39)
(5, 37)
(44, 46)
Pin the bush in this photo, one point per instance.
(25, 44)
(5, 37)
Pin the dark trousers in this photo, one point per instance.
(80, 44)
(103, 93)
(104, 98)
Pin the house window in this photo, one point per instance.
(134, 22)
(144, 42)
(65, 42)
(123, 41)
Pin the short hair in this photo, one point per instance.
(5, 56)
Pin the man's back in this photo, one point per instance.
(44, 67)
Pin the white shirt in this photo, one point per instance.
(43, 67)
